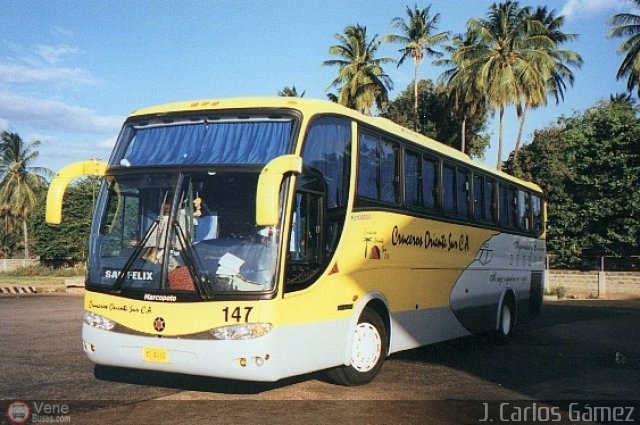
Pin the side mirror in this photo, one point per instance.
(267, 196)
(61, 181)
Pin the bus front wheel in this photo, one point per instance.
(367, 352)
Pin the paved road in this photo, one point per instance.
(567, 354)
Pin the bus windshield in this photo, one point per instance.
(182, 231)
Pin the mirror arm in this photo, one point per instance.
(60, 182)
(268, 193)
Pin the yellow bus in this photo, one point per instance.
(257, 239)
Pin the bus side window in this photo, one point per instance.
(462, 193)
(430, 183)
(506, 207)
(536, 210)
(378, 177)
(524, 211)
(478, 198)
(413, 179)
(448, 189)
(490, 205)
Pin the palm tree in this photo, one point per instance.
(19, 181)
(460, 79)
(418, 39)
(558, 61)
(290, 92)
(510, 59)
(361, 79)
(628, 24)
(623, 99)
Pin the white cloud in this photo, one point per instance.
(57, 30)
(587, 8)
(107, 143)
(53, 115)
(60, 151)
(52, 54)
(42, 66)
(22, 74)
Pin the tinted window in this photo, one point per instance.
(536, 209)
(378, 169)
(504, 205)
(412, 179)
(478, 198)
(448, 189)
(368, 167)
(430, 183)
(388, 172)
(489, 201)
(462, 193)
(524, 210)
(327, 150)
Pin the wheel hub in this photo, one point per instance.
(367, 347)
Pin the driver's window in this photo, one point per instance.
(306, 256)
(305, 229)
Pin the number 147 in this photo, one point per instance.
(237, 314)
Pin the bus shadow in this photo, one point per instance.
(184, 382)
(571, 341)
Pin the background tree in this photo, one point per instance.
(557, 61)
(290, 92)
(508, 59)
(418, 38)
(628, 25)
(438, 117)
(68, 241)
(460, 78)
(8, 241)
(361, 81)
(589, 166)
(19, 180)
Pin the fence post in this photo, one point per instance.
(545, 276)
(602, 280)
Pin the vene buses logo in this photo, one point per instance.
(18, 412)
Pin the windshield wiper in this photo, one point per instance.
(191, 261)
(133, 257)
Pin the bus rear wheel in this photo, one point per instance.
(507, 320)
(367, 352)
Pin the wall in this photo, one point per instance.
(11, 264)
(610, 285)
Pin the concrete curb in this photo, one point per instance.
(74, 282)
(18, 290)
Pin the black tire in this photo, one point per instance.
(368, 352)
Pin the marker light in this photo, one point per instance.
(98, 321)
(239, 332)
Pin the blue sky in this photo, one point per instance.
(72, 70)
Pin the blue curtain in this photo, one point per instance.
(210, 143)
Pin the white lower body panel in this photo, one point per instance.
(413, 329)
(285, 351)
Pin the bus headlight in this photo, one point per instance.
(97, 321)
(238, 332)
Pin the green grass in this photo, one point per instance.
(39, 276)
(9, 280)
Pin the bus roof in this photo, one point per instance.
(310, 107)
